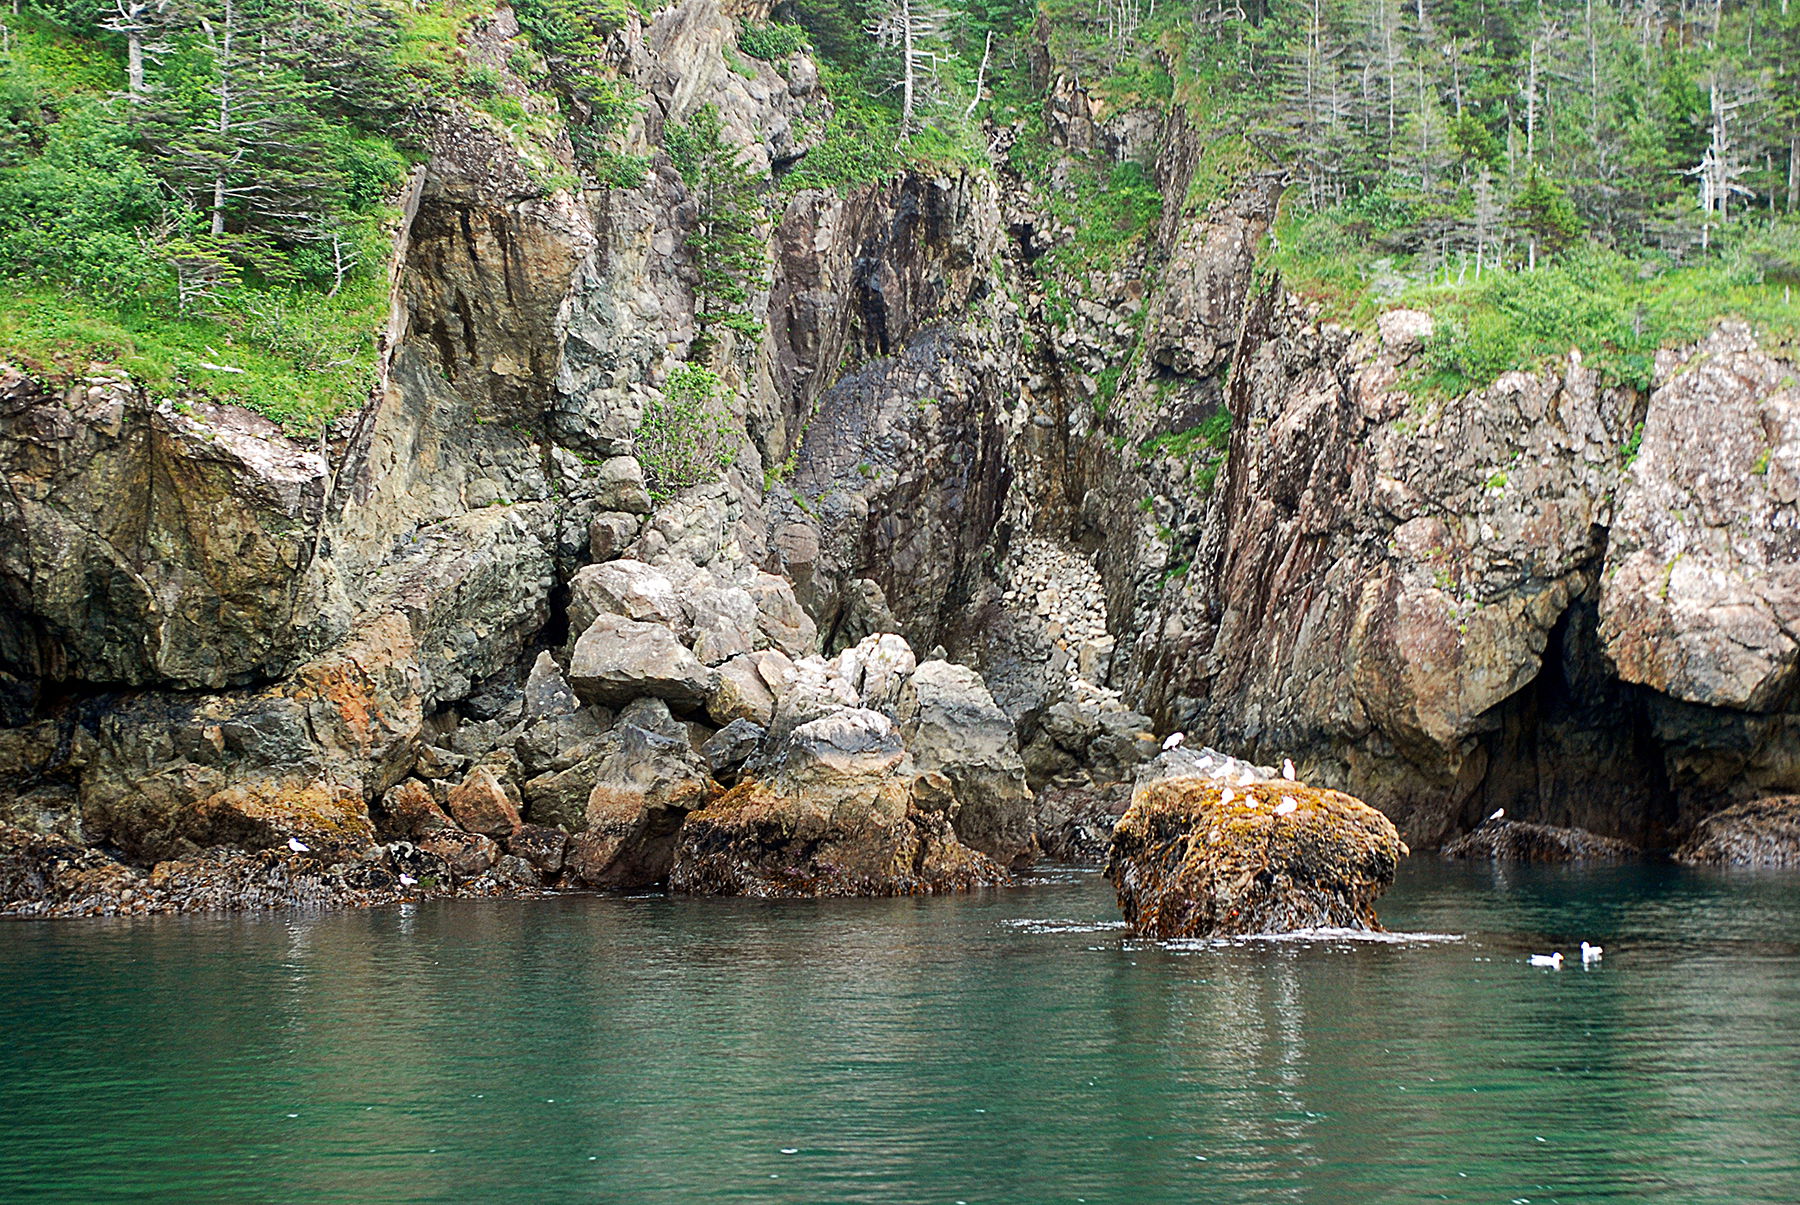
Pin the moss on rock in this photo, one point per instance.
(1189, 861)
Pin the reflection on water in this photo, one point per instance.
(1011, 1046)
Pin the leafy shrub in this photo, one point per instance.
(481, 80)
(685, 438)
(772, 41)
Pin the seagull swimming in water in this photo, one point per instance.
(1174, 739)
(1286, 805)
(1287, 768)
(299, 846)
(1547, 960)
(1591, 954)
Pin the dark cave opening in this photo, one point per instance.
(1577, 747)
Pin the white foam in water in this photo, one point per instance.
(1062, 925)
(1309, 935)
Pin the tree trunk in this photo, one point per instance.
(1793, 168)
(134, 65)
(906, 102)
(218, 206)
(981, 74)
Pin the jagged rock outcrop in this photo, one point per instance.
(1192, 858)
(144, 543)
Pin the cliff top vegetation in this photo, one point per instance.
(203, 190)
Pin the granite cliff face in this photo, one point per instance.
(216, 637)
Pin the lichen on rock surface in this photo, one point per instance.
(1194, 858)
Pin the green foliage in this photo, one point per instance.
(727, 240)
(1205, 444)
(220, 230)
(858, 146)
(571, 37)
(300, 357)
(1209, 436)
(685, 438)
(1598, 301)
(772, 41)
(1633, 444)
(1544, 213)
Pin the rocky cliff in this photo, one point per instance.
(1560, 596)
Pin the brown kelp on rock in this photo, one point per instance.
(1194, 857)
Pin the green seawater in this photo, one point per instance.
(1010, 1046)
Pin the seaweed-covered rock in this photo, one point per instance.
(1522, 841)
(1763, 832)
(1192, 858)
(840, 817)
(47, 875)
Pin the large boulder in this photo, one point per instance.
(746, 688)
(952, 724)
(1763, 832)
(646, 780)
(1192, 858)
(844, 814)
(619, 659)
(626, 588)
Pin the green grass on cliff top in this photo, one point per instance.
(1618, 309)
(304, 358)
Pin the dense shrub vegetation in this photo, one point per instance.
(201, 189)
(686, 438)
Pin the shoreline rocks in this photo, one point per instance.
(1194, 858)
(42, 875)
(1762, 832)
(1523, 841)
(845, 814)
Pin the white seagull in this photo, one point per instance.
(299, 846)
(1225, 796)
(1174, 739)
(1286, 805)
(1498, 812)
(1547, 960)
(407, 880)
(1287, 768)
(1591, 953)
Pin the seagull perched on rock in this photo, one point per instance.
(1591, 953)
(299, 846)
(1498, 813)
(1287, 768)
(1288, 803)
(407, 880)
(1225, 796)
(1174, 739)
(1547, 960)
